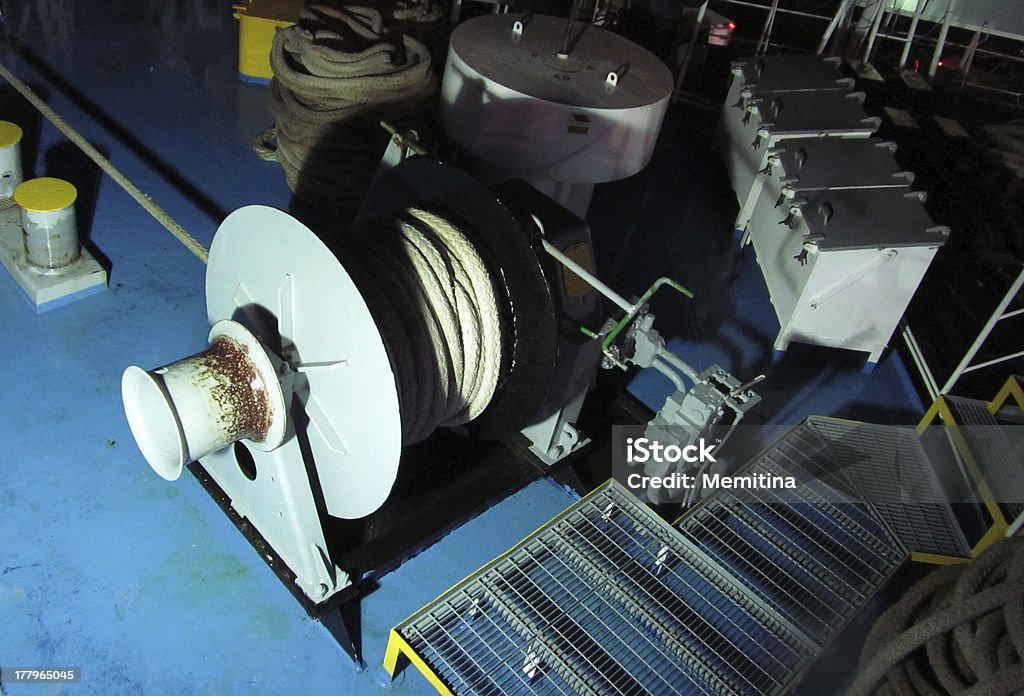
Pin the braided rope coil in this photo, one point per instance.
(435, 304)
(960, 630)
(337, 73)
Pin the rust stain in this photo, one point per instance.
(239, 391)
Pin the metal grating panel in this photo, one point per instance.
(606, 599)
(812, 554)
(888, 469)
(1001, 469)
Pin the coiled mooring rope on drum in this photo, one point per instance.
(960, 630)
(434, 301)
(337, 73)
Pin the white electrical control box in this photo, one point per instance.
(841, 265)
(807, 164)
(794, 73)
(791, 73)
(798, 167)
(770, 118)
(756, 75)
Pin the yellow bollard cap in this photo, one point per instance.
(45, 195)
(10, 134)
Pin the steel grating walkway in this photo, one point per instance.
(866, 497)
(605, 599)
(738, 598)
(886, 468)
(993, 455)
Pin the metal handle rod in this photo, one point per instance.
(665, 357)
(588, 277)
(406, 139)
(567, 39)
(833, 289)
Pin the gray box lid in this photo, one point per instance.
(791, 73)
(810, 114)
(810, 164)
(841, 219)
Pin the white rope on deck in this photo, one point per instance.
(158, 213)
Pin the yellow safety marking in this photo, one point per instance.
(1014, 388)
(397, 644)
(996, 532)
(937, 558)
(401, 645)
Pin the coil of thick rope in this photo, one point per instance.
(337, 73)
(960, 630)
(436, 307)
(415, 11)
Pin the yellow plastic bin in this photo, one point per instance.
(258, 21)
